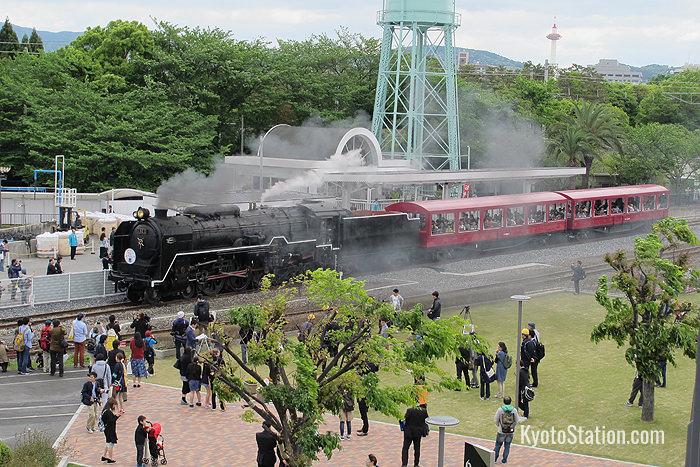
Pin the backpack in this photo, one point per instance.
(508, 422)
(19, 342)
(204, 315)
(508, 361)
(539, 351)
(45, 340)
(528, 393)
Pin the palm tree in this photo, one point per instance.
(569, 144)
(602, 130)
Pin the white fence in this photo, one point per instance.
(38, 290)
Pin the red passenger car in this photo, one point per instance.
(456, 222)
(508, 218)
(604, 208)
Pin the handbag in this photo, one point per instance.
(491, 373)
(402, 425)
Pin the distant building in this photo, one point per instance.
(612, 70)
(462, 57)
(686, 67)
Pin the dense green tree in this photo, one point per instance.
(24, 44)
(671, 149)
(294, 383)
(9, 44)
(36, 44)
(652, 318)
(659, 108)
(569, 145)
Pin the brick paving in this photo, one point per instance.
(204, 437)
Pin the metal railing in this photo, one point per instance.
(38, 290)
(22, 218)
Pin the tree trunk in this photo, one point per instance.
(648, 404)
(585, 182)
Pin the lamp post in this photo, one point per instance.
(3, 175)
(692, 454)
(520, 299)
(441, 422)
(260, 154)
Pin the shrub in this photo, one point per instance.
(34, 449)
(5, 453)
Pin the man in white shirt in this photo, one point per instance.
(80, 335)
(396, 300)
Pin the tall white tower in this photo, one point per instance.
(553, 37)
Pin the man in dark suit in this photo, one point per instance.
(414, 429)
(267, 444)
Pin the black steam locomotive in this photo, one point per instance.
(207, 250)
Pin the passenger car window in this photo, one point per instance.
(633, 204)
(617, 206)
(583, 209)
(535, 214)
(663, 201)
(468, 221)
(516, 216)
(493, 219)
(649, 203)
(601, 207)
(443, 223)
(557, 212)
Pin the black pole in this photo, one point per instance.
(692, 451)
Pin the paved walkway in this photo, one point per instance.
(204, 437)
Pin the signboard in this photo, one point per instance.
(477, 456)
(466, 188)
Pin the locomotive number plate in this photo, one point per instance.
(129, 256)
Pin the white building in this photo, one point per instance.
(612, 70)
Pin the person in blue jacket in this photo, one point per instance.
(72, 242)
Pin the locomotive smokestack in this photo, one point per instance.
(161, 213)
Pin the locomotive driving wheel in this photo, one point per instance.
(152, 296)
(240, 281)
(190, 290)
(211, 286)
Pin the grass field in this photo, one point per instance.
(581, 383)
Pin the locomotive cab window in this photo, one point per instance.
(633, 204)
(493, 219)
(516, 216)
(649, 203)
(443, 223)
(663, 201)
(617, 206)
(536, 214)
(422, 220)
(468, 221)
(557, 212)
(601, 207)
(583, 209)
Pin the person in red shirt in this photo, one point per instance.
(138, 360)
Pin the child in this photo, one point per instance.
(153, 433)
(194, 380)
(4, 361)
(150, 353)
(140, 436)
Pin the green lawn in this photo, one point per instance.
(580, 383)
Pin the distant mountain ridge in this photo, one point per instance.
(52, 40)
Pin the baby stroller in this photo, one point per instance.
(155, 446)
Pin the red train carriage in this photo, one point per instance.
(510, 218)
(456, 222)
(605, 208)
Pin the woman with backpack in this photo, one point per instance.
(150, 353)
(138, 359)
(503, 363)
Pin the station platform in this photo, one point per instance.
(202, 436)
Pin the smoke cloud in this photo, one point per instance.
(316, 177)
(498, 136)
(191, 188)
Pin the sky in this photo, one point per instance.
(636, 32)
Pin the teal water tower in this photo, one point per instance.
(415, 107)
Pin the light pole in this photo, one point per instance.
(692, 454)
(260, 154)
(441, 422)
(3, 175)
(520, 299)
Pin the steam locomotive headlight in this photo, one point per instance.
(141, 213)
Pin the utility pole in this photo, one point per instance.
(242, 134)
(3, 176)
